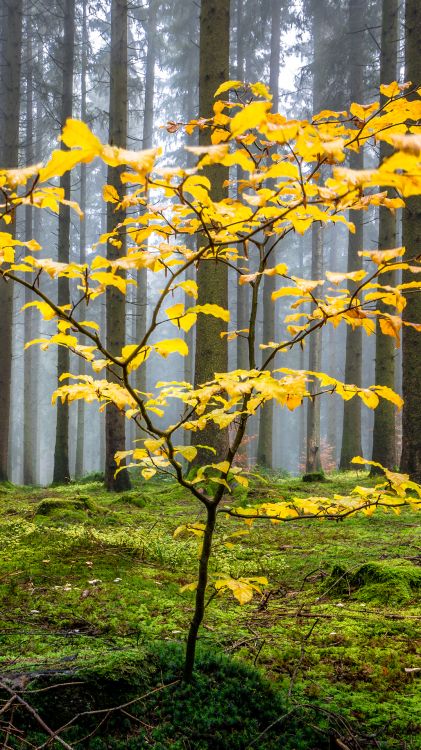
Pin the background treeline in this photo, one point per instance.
(132, 71)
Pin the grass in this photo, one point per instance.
(92, 579)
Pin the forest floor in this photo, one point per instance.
(92, 578)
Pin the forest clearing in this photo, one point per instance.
(210, 322)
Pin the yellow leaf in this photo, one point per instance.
(148, 472)
(109, 194)
(208, 309)
(76, 134)
(227, 86)
(170, 346)
(180, 318)
(189, 452)
(390, 89)
(251, 116)
(337, 278)
(369, 398)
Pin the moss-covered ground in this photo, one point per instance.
(92, 580)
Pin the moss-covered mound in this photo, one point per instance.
(383, 582)
(227, 707)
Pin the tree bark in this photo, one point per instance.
(211, 351)
(411, 230)
(265, 442)
(61, 451)
(313, 459)
(147, 139)
(115, 301)
(199, 609)
(384, 433)
(351, 430)
(80, 435)
(313, 463)
(9, 113)
(29, 355)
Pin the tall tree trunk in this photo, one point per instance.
(313, 463)
(29, 356)
(211, 351)
(243, 291)
(80, 437)
(313, 459)
(9, 108)
(114, 419)
(265, 442)
(411, 231)
(61, 452)
(351, 430)
(147, 138)
(384, 433)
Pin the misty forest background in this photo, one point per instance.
(56, 57)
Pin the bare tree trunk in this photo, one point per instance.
(61, 452)
(411, 229)
(265, 443)
(313, 461)
(211, 351)
(114, 419)
(80, 437)
(243, 296)
(384, 433)
(147, 138)
(9, 108)
(29, 356)
(351, 431)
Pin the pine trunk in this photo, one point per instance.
(265, 443)
(61, 452)
(351, 429)
(384, 433)
(411, 230)
(9, 107)
(80, 436)
(211, 351)
(114, 419)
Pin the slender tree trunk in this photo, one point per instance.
(243, 296)
(61, 452)
(313, 460)
(411, 230)
(384, 433)
(265, 443)
(9, 108)
(114, 419)
(147, 138)
(199, 609)
(313, 463)
(351, 431)
(80, 438)
(29, 356)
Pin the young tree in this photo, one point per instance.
(302, 195)
(10, 85)
(384, 433)
(61, 451)
(411, 237)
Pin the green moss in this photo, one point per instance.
(384, 582)
(96, 591)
